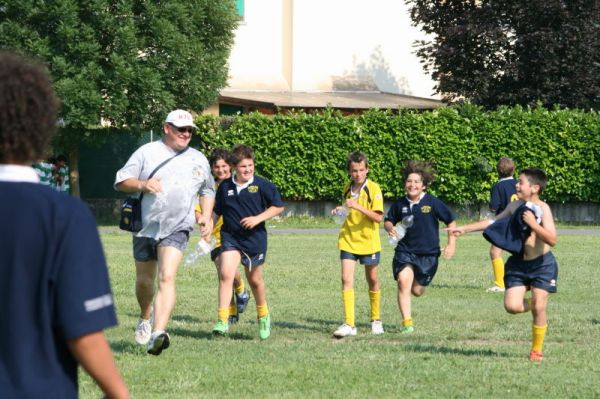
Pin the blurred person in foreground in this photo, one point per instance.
(55, 295)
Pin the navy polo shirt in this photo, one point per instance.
(502, 194)
(423, 238)
(510, 232)
(54, 287)
(251, 201)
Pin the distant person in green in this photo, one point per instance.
(60, 174)
(44, 171)
(532, 265)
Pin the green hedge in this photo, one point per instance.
(304, 154)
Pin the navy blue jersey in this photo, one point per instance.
(423, 238)
(503, 193)
(251, 201)
(54, 287)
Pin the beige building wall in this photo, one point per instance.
(324, 45)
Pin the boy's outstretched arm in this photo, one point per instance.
(450, 248)
(253, 221)
(458, 231)
(93, 352)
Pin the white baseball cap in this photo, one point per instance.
(180, 118)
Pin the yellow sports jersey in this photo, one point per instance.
(217, 227)
(359, 234)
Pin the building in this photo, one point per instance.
(348, 54)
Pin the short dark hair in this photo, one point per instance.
(240, 152)
(220, 153)
(28, 109)
(423, 168)
(356, 157)
(505, 167)
(535, 176)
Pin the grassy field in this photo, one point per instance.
(464, 345)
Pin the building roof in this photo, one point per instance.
(349, 100)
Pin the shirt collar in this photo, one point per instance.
(240, 187)
(411, 203)
(18, 173)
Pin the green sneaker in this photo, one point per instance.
(220, 328)
(407, 330)
(264, 327)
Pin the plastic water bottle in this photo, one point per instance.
(202, 248)
(407, 222)
(340, 214)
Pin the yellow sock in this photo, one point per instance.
(348, 301)
(407, 323)
(240, 288)
(223, 314)
(375, 298)
(262, 310)
(498, 266)
(539, 332)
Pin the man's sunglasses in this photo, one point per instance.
(184, 129)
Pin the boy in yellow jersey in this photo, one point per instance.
(359, 241)
(220, 164)
(532, 265)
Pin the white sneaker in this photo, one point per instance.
(344, 330)
(143, 331)
(495, 288)
(376, 327)
(158, 341)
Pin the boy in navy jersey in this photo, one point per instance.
(533, 266)
(245, 201)
(416, 257)
(503, 192)
(55, 296)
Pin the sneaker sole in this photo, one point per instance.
(164, 342)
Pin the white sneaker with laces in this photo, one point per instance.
(376, 327)
(344, 330)
(495, 288)
(143, 331)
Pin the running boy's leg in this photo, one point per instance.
(257, 284)
(347, 273)
(514, 300)
(227, 267)
(539, 303)
(374, 298)
(498, 269)
(406, 280)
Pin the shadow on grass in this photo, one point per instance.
(296, 326)
(455, 286)
(204, 334)
(454, 351)
(126, 346)
(186, 318)
(596, 321)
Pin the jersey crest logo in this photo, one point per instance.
(253, 189)
(196, 172)
(513, 197)
(229, 193)
(425, 209)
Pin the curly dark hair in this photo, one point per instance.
(28, 109)
(220, 153)
(423, 168)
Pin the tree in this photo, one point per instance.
(123, 63)
(512, 51)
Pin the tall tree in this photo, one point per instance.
(495, 52)
(123, 62)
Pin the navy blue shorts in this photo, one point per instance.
(367, 260)
(249, 259)
(424, 266)
(144, 248)
(215, 253)
(541, 272)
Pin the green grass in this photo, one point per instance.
(465, 344)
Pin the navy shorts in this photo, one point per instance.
(424, 266)
(215, 253)
(144, 248)
(541, 272)
(367, 260)
(249, 259)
